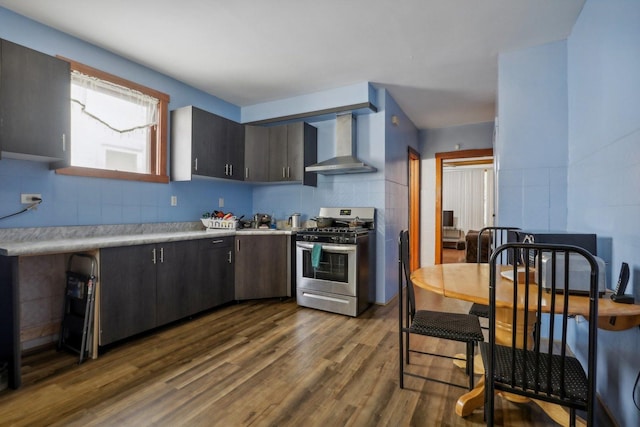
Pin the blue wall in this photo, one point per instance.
(398, 140)
(366, 189)
(531, 143)
(604, 169)
(69, 200)
(442, 140)
(469, 137)
(569, 141)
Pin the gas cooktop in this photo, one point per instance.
(336, 230)
(350, 224)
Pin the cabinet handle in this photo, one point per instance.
(229, 259)
(161, 255)
(288, 171)
(226, 169)
(231, 169)
(64, 142)
(237, 245)
(246, 173)
(217, 241)
(195, 165)
(153, 251)
(284, 172)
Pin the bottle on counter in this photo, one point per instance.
(274, 222)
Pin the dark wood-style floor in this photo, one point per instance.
(258, 363)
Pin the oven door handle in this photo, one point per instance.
(331, 248)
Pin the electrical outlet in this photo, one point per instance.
(26, 198)
(174, 200)
(220, 202)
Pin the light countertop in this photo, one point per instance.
(41, 241)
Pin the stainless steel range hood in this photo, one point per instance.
(345, 160)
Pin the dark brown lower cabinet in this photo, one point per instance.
(214, 271)
(176, 279)
(127, 292)
(262, 266)
(145, 286)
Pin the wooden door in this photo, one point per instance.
(414, 209)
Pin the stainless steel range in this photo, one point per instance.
(333, 262)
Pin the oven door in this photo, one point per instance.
(336, 271)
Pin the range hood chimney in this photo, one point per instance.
(345, 160)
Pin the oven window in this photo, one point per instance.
(332, 266)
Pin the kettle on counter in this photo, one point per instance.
(294, 221)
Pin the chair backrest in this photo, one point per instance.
(547, 334)
(404, 277)
(490, 238)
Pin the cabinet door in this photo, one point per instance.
(310, 154)
(127, 291)
(256, 154)
(177, 276)
(302, 150)
(278, 153)
(205, 129)
(261, 266)
(219, 149)
(295, 150)
(213, 145)
(34, 103)
(215, 272)
(234, 143)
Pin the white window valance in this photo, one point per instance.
(119, 108)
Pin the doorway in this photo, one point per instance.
(467, 157)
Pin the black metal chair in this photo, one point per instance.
(460, 327)
(489, 238)
(539, 365)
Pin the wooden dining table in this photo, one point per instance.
(470, 282)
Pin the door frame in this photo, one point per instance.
(414, 180)
(440, 157)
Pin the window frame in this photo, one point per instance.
(159, 134)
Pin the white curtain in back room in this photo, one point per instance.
(468, 192)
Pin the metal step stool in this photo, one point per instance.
(76, 329)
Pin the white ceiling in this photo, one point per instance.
(437, 58)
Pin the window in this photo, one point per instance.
(118, 128)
